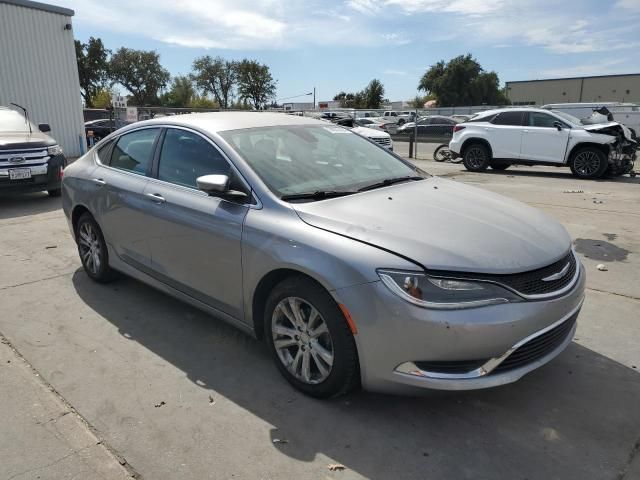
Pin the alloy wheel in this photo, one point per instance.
(586, 163)
(302, 340)
(476, 157)
(90, 249)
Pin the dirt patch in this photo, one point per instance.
(600, 250)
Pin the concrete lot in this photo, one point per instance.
(117, 352)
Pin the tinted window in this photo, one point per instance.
(104, 152)
(482, 118)
(537, 119)
(186, 156)
(133, 151)
(508, 118)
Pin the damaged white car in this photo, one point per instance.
(532, 136)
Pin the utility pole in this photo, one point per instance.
(314, 98)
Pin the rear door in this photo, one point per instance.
(195, 238)
(119, 182)
(541, 139)
(504, 134)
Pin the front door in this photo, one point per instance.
(195, 238)
(541, 139)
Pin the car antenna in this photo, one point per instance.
(26, 116)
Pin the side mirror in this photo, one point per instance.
(44, 127)
(218, 185)
(558, 125)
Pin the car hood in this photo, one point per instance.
(15, 140)
(610, 128)
(444, 225)
(370, 132)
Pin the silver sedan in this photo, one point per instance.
(356, 267)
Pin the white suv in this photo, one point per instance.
(532, 136)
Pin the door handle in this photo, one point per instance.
(156, 197)
(99, 182)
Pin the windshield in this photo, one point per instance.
(12, 121)
(567, 117)
(301, 159)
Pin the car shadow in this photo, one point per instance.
(26, 204)
(576, 417)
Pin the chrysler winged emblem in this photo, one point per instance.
(557, 275)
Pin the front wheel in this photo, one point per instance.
(442, 153)
(310, 340)
(476, 157)
(588, 162)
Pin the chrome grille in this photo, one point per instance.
(30, 156)
(533, 282)
(384, 141)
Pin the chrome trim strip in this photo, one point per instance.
(411, 368)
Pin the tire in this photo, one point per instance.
(297, 338)
(500, 166)
(93, 250)
(588, 162)
(401, 122)
(55, 192)
(476, 157)
(442, 153)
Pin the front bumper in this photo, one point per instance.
(393, 336)
(43, 177)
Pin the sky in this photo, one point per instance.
(336, 45)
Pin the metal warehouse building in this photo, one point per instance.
(38, 68)
(603, 88)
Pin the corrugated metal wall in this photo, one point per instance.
(38, 70)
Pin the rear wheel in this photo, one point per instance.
(310, 339)
(93, 250)
(588, 162)
(476, 157)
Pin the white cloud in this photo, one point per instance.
(395, 38)
(368, 7)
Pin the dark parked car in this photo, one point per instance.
(103, 127)
(30, 160)
(431, 126)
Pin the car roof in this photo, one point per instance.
(511, 109)
(223, 121)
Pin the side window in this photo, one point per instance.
(186, 156)
(104, 152)
(537, 119)
(133, 151)
(508, 118)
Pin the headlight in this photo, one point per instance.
(54, 150)
(444, 294)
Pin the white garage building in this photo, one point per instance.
(38, 69)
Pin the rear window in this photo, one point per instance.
(482, 118)
(508, 118)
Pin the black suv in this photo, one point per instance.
(30, 160)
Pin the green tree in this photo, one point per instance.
(373, 94)
(462, 81)
(255, 83)
(93, 68)
(202, 101)
(102, 98)
(180, 93)
(216, 76)
(140, 72)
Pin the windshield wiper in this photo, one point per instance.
(390, 181)
(317, 195)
